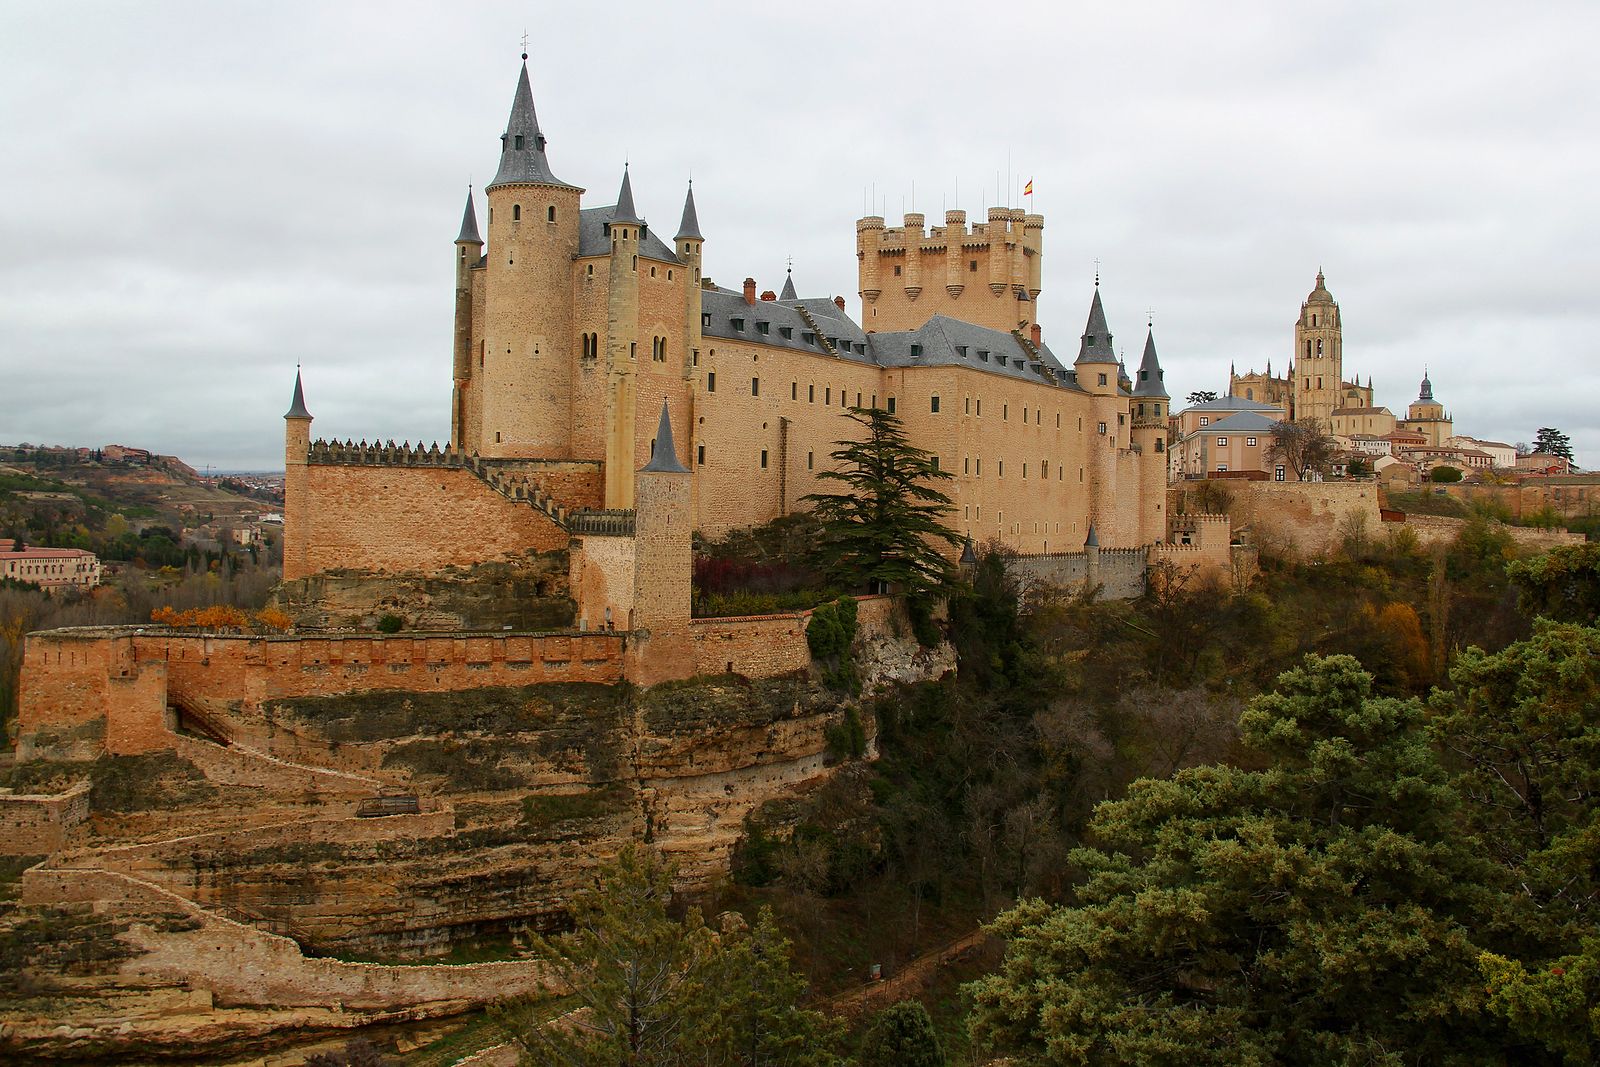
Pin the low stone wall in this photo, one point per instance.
(234, 765)
(1120, 571)
(764, 646)
(37, 824)
(1302, 519)
(246, 967)
(1442, 530)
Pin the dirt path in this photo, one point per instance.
(911, 979)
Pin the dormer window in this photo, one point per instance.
(809, 338)
(705, 320)
(786, 332)
(916, 350)
(763, 327)
(738, 324)
(983, 355)
(516, 142)
(1088, 339)
(961, 350)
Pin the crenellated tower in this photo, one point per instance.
(990, 276)
(523, 377)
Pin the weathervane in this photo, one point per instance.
(524, 44)
(1097, 273)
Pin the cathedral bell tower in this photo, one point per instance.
(1318, 357)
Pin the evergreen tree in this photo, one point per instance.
(1202, 396)
(656, 992)
(1316, 912)
(1552, 441)
(903, 1034)
(881, 529)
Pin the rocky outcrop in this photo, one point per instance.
(528, 594)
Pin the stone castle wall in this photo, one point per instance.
(764, 646)
(37, 824)
(1120, 571)
(98, 689)
(1442, 530)
(1301, 519)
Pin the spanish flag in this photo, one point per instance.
(1027, 190)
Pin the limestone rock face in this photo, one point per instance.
(529, 594)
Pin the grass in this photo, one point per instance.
(546, 810)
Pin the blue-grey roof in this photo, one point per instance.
(625, 211)
(689, 226)
(1243, 422)
(469, 224)
(594, 241)
(665, 458)
(522, 159)
(780, 324)
(297, 406)
(1096, 344)
(1150, 376)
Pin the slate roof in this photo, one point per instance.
(788, 288)
(1150, 376)
(297, 406)
(593, 241)
(527, 164)
(689, 226)
(1243, 422)
(1095, 346)
(469, 224)
(665, 459)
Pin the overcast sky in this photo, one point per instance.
(199, 195)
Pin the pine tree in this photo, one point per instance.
(883, 527)
(1553, 442)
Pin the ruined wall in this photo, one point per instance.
(36, 824)
(1442, 530)
(397, 519)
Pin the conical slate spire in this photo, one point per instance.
(625, 211)
(522, 160)
(665, 460)
(689, 228)
(297, 406)
(469, 224)
(1150, 383)
(788, 288)
(1093, 540)
(1096, 345)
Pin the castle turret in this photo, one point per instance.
(1096, 368)
(1033, 242)
(955, 270)
(869, 244)
(525, 360)
(622, 348)
(296, 483)
(914, 222)
(469, 249)
(1151, 405)
(660, 647)
(690, 245)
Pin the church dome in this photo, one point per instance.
(1320, 294)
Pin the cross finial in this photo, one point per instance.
(791, 265)
(524, 44)
(1150, 317)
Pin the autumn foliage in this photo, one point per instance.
(222, 617)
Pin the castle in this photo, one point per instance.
(586, 346)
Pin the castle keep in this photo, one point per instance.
(587, 345)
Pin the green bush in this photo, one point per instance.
(390, 624)
(847, 739)
(1444, 474)
(903, 1034)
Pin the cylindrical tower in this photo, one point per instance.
(296, 484)
(955, 229)
(914, 222)
(469, 249)
(999, 263)
(869, 238)
(622, 345)
(525, 377)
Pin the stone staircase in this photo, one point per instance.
(822, 339)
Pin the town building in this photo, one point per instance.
(49, 568)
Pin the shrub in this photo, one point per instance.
(1444, 474)
(390, 624)
(847, 739)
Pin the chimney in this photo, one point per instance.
(769, 295)
(750, 291)
(838, 302)
(1037, 334)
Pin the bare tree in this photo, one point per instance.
(1302, 446)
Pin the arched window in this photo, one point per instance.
(1319, 348)
(552, 213)
(1249, 394)
(516, 212)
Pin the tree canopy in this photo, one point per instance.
(883, 526)
(652, 991)
(1302, 446)
(1202, 396)
(1315, 912)
(1550, 440)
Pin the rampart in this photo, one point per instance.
(1300, 519)
(74, 679)
(762, 646)
(1442, 530)
(37, 824)
(1119, 572)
